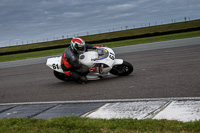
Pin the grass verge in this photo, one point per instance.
(84, 125)
(110, 44)
(110, 35)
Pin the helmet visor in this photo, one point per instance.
(80, 49)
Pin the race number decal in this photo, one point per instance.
(112, 56)
(55, 66)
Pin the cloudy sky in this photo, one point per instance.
(30, 21)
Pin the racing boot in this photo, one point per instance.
(80, 79)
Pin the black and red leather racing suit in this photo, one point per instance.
(72, 67)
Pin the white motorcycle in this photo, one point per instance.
(103, 57)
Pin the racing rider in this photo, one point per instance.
(70, 61)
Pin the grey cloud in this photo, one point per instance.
(22, 20)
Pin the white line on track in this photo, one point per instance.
(106, 101)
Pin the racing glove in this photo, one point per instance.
(97, 46)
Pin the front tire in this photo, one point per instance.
(124, 69)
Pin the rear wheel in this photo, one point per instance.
(61, 76)
(124, 69)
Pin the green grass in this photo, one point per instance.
(30, 55)
(131, 32)
(110, 44)
(153, 39)
(86, 125)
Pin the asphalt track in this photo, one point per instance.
(159, 73)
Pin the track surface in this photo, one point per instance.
(169, 72)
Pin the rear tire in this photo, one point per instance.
(61, 76)
(124, 69)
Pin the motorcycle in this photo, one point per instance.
(102, 57)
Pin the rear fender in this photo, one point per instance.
(55, 63)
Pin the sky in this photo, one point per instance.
(31, 21)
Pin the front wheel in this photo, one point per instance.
(61, 76)
(124, 69)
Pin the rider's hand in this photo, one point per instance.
(97, 46)
(94, 48)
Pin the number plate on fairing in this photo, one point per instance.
(55, 64)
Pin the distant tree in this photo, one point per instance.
(185, 19)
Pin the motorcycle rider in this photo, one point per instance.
(70, 60)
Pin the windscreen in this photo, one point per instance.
(103, 53)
